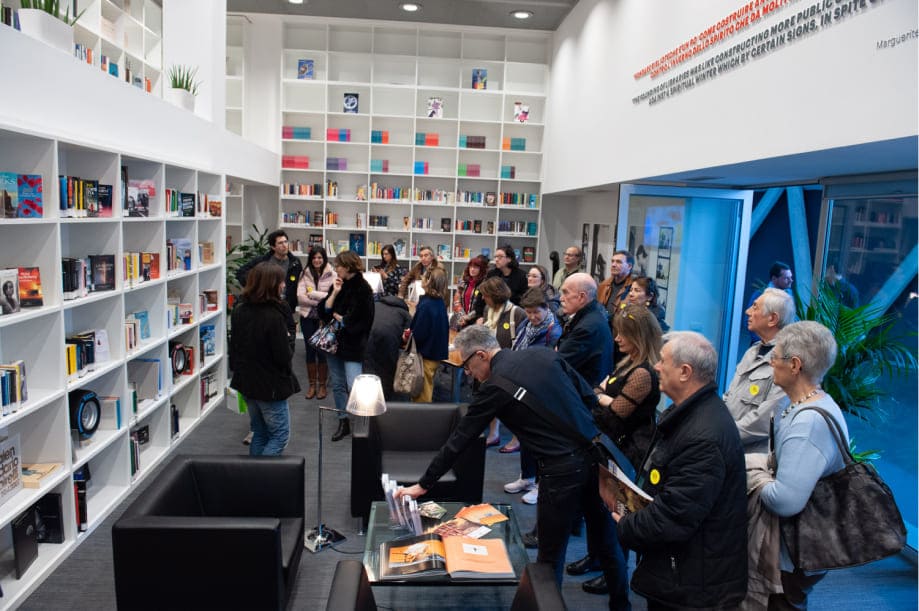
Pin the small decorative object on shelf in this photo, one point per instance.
(435, 108)
(305, 69)
(521, 112)
(184, 84)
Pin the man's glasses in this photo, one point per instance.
(465, 364)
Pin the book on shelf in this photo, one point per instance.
(101, 352)
(618, 492)
(305, 69)
(103, 272)
(211, 300)
(9, 291)
(210, 387)
(49, 518)
(20, 195)
(431, 554)
(435, 107)
(34, 473)
(521, 112)
(351, 103)
(178, 254)
(146, 375)
(82, 506)
(10, 458)
(143, 323)
(90, 196)
(356, 243)
(208, 340)
(214, 206)
(480, 78)
(206, 253)
(104, 201)
(110, 413)
(149, 265)
(187, 204)
(25, 541)
(14, 390)
(529, 254)
(9, 195)
(446, 224)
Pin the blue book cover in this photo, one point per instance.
(208, 340)
(143, 318)
(356, 243)
(479, 78)
(305, 69)
(9, 194)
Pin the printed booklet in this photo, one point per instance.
(431, 555)
(619, 493)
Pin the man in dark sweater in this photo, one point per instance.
(281, 256)
(692, 538)
(568, 477)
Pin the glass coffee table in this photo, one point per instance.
(379, 531)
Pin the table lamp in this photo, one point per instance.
(366, 400)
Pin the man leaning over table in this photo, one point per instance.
(568, 477)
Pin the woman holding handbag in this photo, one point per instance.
(350, 303)
(805, 447)
(260, 357)
(431, 329)
(315, 283)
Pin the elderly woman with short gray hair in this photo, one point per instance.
(805, 448)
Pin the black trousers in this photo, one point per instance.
(567, 488)
(796, 585)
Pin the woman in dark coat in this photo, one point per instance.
(350, 303)
(260, 357)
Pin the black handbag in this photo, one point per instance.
(850, 519)
(325, 338)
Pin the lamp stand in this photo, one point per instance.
(321, 537)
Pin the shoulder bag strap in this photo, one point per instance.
(835, 431)
(513, 324)
(532, 401)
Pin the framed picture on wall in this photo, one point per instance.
(665, 241)
(663, 272)
(662, 299)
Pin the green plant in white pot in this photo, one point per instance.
(43, 20)
(183, 86)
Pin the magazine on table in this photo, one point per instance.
(431, 555)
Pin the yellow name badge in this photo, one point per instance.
(654, 476)
(507, 326)
(293, 278)
(611, 380)
(754, 389)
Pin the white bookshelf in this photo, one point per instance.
(127, 32)
(235, 73)
(37, 335)
(395, 69)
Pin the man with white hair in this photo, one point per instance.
(692, 538)
(753, 398)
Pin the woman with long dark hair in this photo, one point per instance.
(467, 294)
(390, 270)
(260, 357)
(315, 283)
(508, 269)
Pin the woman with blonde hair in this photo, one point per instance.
(431, 329)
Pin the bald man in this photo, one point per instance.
(586, 342)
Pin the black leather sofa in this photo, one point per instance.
(213, 532)
(402, 443)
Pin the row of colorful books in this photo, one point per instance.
(20, 195)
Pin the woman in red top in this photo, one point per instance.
(467, 293)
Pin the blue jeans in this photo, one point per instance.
(270, 425)
(567, 488)
(342, 374)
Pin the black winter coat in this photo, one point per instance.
(260, 352)
(587, 344)
(355, 305)
(294, 270)
(692, 539)
(390, 319)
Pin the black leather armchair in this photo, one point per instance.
(402, 443)
(213, 532)
(351, 589)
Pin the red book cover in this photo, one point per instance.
(30, 287)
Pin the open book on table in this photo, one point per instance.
(431, 555)
(619, 493)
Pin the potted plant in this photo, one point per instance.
(42, 20)
(183, 86)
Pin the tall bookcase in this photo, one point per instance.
(236, 72)
(127, 32)
(37, 335)
(397, 71)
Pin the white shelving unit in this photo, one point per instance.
(37, 335)
(395, 69)
(128, 33)
(236, 73)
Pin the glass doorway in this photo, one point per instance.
(689, 241)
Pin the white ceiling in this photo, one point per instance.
(547, 14)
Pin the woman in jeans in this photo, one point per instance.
(431, 329)
(260, 357)
(350, 303)
(314, 285)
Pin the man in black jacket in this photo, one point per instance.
(692, 538)
(279, 255)
(568, 477)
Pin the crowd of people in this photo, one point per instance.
(562, 364)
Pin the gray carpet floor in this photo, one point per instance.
(85, 581)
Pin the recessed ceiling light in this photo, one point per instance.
(521, 14)
(295, 1)
(410, 7)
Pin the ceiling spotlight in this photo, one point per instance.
(410, 7)
(295, 1)
(521, 14)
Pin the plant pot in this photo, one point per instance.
(44, 27)
(181, 98)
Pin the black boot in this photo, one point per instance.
(597, 585)
(344, 429)
(586, 564)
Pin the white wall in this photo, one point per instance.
(564, 215)
(833, 87)
(264, 43)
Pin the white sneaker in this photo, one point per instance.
(531, 497)
(519, 485)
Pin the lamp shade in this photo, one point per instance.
(366, 398)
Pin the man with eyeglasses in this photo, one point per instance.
(572, 263)
(567, 474)
(753, 398)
